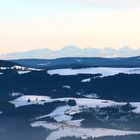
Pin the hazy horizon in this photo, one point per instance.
(32, 24)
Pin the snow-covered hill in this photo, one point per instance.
(104, 71)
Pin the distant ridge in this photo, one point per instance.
(72, 51)
(5, 63)
(80, 62)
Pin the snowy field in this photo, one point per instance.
(73, 129)
(105, 71)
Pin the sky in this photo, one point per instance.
(53, 24)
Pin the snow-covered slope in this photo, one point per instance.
(29, 100)
(66, 124)
(81, 102)
(65, 130)
(19, 69)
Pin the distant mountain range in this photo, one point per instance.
(72, 51)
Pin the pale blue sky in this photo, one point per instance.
(32, 24)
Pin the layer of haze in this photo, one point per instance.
(53, 24)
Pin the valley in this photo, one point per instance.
(82, 103)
